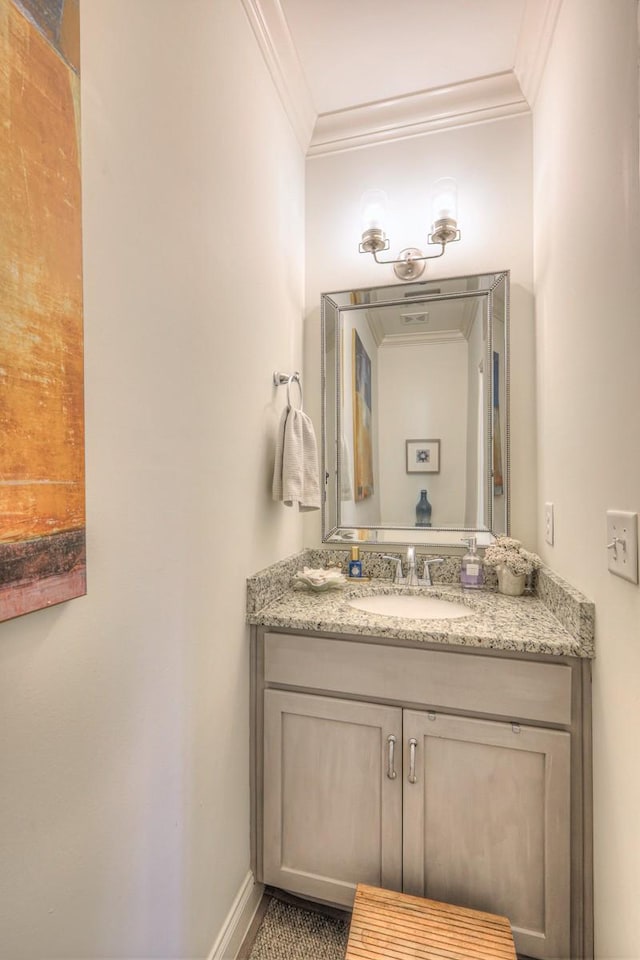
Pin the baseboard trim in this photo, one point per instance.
(238, 920)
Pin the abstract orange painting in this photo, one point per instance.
(42, 490)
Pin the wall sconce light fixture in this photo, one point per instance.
(410, 263)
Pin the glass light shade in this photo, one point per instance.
(445, 200)
(373, 210)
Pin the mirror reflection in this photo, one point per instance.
(415, 426)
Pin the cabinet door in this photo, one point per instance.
(332, 807)
(486, 823)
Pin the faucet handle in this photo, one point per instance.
(397, 577)
(426, 575)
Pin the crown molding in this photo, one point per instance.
(474, 101)
(422, 336)
(488, 98)
(536, 35)
(274, 39)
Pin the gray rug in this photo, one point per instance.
(288, 933)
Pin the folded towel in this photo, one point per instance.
(295, 472)
(276, 488)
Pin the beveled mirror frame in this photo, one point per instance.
(332, 306)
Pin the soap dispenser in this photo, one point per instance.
(471, 572)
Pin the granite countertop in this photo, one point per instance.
(558, 621)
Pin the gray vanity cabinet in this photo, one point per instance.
(332, 815)
(486, 822)
(462, 776)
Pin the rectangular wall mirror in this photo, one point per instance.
(415, 383)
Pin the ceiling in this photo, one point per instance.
(424, 318)
(354, 72)
(357, 51)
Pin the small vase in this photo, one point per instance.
(423, 510)
(511, 584)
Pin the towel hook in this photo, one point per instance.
(281, 378)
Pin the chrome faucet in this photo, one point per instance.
(412, 576)
(411, 579)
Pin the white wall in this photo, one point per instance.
(124, 809)
(587, 251)
(492, 164)
(424, 391)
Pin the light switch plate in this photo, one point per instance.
(548, 523)
(622, 544)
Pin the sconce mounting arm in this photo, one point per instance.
(410, 263)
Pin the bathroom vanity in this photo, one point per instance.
(444, 758)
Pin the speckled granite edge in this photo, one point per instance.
(271, 583)
(569, 606)
(496, 622)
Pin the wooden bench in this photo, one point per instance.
(386, 925)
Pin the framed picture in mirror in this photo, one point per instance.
(423, 456)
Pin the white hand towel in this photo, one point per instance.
(276, 488)
(295, 473)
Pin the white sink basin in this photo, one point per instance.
(415, 607)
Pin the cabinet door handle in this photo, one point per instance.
(413, 743)
(391, 773)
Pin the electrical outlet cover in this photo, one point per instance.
(622, 544)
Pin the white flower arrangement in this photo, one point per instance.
(507, 552)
